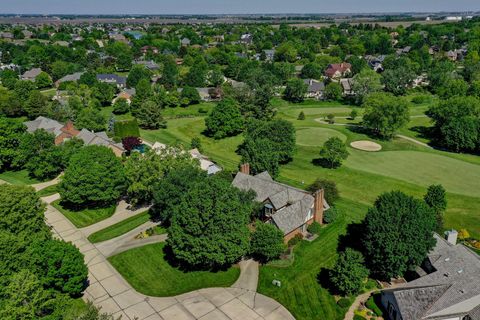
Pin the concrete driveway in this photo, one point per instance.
(108, 289)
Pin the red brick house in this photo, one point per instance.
(338, 70)
(288, 208)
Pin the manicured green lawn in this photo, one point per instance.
(301, 292)
(317, 136)
(401, 165)
(86, 217)
(420, 168)
(48, 191)
(119, 228)
(20, 177)
(147, 271)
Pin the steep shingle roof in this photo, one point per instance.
(452, 288)
(292, 205)
(47, 124)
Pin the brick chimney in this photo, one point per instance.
(318, 206)
(245, 168)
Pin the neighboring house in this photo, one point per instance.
(111, 78)
(246, 38)
(100, 139)
(147, 49)
(269, 54)
(61, 131)
(421, 80)
(118, 37)
(127, 94)
(150, 64)
(185, 42)
(448, 286)
(288, 208)
(338, 70)
(346, 84)
(31, 74)
(69, 78)
(375, 62)
(315, 89)
(452, 55)
(6, 35)
(205, 163)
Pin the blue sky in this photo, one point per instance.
(231, 6)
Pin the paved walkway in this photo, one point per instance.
(43, 185)
(122, 212)
(108, 289)
(248, 276)
(358, 300)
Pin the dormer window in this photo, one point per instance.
(268, 209)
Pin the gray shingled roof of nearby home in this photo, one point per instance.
(314, 85)
(71, 77)
(292, 205)
(149, 64)
(97, 138)
(47, 124)
(110, 77)
(454, 288)
(31, 74)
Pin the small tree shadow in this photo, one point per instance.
(175, 263)
(323, 279)
(322, 162)
(351, 239)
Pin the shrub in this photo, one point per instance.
(353, 114)
(126, 128)
(370, 304)
(196, 143)
(266, 242)
(292, 242)
(202, 110)
(463, 234)
(301, 116)
(344, 303)
(330, 215)
(331, 118)
(315, 228)
(421, 99)
(358, 317)
(329, 187)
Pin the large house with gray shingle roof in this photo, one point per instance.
(448, 287)
(288, 208)
(100, 139)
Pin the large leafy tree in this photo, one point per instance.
(457, 123)
(144, 171)
(94, 176)
(262, 156)
(11, 133)
(329, 187)
(349, 272)
(168, 191)
(90, 118)
(137, 73)
(452, 88)
(365, 83)
(295, 90)
(36, 105)
(224, 120)
(280, 133)
(397, 80)
(43, 80)
(385, 114)
(334, 151)
(60, 265)
(436, 199)
(209, 225)
(21, 211)
(267, 242)
(26, 298)
(149, 115)
(398, 234)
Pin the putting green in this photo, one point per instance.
(421, 168)
(318, 111)
(314, 137)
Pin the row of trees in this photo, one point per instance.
(39, 275)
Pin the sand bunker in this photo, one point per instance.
(366, 145)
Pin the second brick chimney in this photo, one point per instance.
(318, 206)
(245, 168)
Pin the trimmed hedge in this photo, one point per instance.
(126, 128)
(370, 304)
(344, 303)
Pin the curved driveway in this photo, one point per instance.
(109, 289)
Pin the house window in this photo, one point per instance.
(310, 214)
(268, 210)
